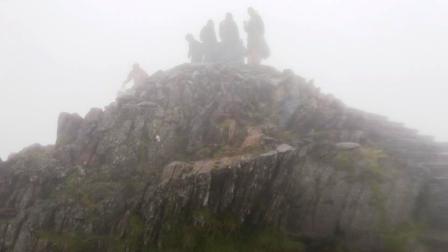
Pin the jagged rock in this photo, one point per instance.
(438, 202)
(68, 128)
(202, 150)
(175, 170)
(284, 148)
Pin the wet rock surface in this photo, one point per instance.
(198, 153)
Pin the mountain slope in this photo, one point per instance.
(225, 158)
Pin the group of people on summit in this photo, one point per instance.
(231, 48)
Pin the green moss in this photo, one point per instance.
(89, 193)
(75, 242)
(273, 240)
(189, 238)
(372, 158)
(204, 152)
(223, 234)
(81, 242)
(329, 244)
(363, 165)
(88, 190)
(133, 239)
(395, 238)
(367, 165)
(283, 135)
(399, 239)
(344, 161)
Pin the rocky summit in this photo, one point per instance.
(226, 158)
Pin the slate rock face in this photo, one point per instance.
(68, 126)
(245, 158)
(438, 202)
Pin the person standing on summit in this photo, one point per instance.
(195, 50)
(228, 30)
(137, 74)
(257, 48)
(209, 42)
(231, 46)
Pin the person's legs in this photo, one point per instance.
(257, 59)
(250, 57)
(253, 58)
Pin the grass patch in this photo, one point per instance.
(399, 239)
(224, 234)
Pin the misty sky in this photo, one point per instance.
(383, 56)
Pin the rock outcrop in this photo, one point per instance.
(226, 158)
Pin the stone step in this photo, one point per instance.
(440, 179)
(413, 155)
(436, 165)
(394, 136)
(438, 170)
(409, 136)
(415, 139)
(427, 138)
(392, 130)
(441, 157)
(443, 147)
(410, 147)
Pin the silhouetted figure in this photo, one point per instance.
(228, 30)
(137, 74)
(195, 49)
(257, 48)
(209, 42)
(231, 48)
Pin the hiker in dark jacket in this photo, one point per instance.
(257, 48)
(228, 30)
(195, 50)
(209, 42)
(231, 49)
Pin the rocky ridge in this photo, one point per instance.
(226, 158)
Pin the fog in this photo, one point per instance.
(383, 56)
